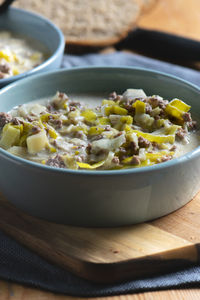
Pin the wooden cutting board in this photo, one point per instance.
(180, 17)
(111, 254)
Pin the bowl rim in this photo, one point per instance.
(52, 57)
(162, 166)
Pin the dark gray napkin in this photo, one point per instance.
(132, 60)
(23, 266)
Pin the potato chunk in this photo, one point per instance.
(37, 142)
(10, 136)
(131, 94)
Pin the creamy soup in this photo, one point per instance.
(18, 54)
(85, 132)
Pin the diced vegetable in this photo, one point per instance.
(108, 102)
(127, 160)
(95, 130)
(115, 109)
(20, 127)
(176, 108)
(180, 105)
(52, 133)
(160, 122)
(172, 129)
(45, 117)
(156, 138)
(70, 162)
(139, 107)
(88, 166)
(126, 119)
(15, 71)
(6, 55)
(104, 121)
(154, 156)
(89, 115)
(155, 111)
(22, 141)
(37, 142)
(52, 149)
(131, 94)
(107, 144)
(132, 137)
(10, 136)
(173, 112)
(79, 128)
(144, 120)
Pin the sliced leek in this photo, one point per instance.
(91, 167)
(139, 107)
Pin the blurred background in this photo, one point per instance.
(168, 30)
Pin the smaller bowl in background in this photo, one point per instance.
(32, 26)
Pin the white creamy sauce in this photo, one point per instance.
(91, 100)
(193, 142)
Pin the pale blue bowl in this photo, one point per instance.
(99, 198)
(40, 29)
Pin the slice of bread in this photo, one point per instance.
(147, 4)
(95, 23)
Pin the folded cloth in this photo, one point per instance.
(21, 265)
(132, 60)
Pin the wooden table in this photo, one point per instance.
(11, 291)
(175, 16)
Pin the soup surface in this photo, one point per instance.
(18, 54)
(123, 131)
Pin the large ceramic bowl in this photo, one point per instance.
(99, 198)
(39, 29)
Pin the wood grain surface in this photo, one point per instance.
(12, 291)
(174, 16)
(110, 254)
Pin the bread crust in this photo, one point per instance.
(145, 5)
(104, 42)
